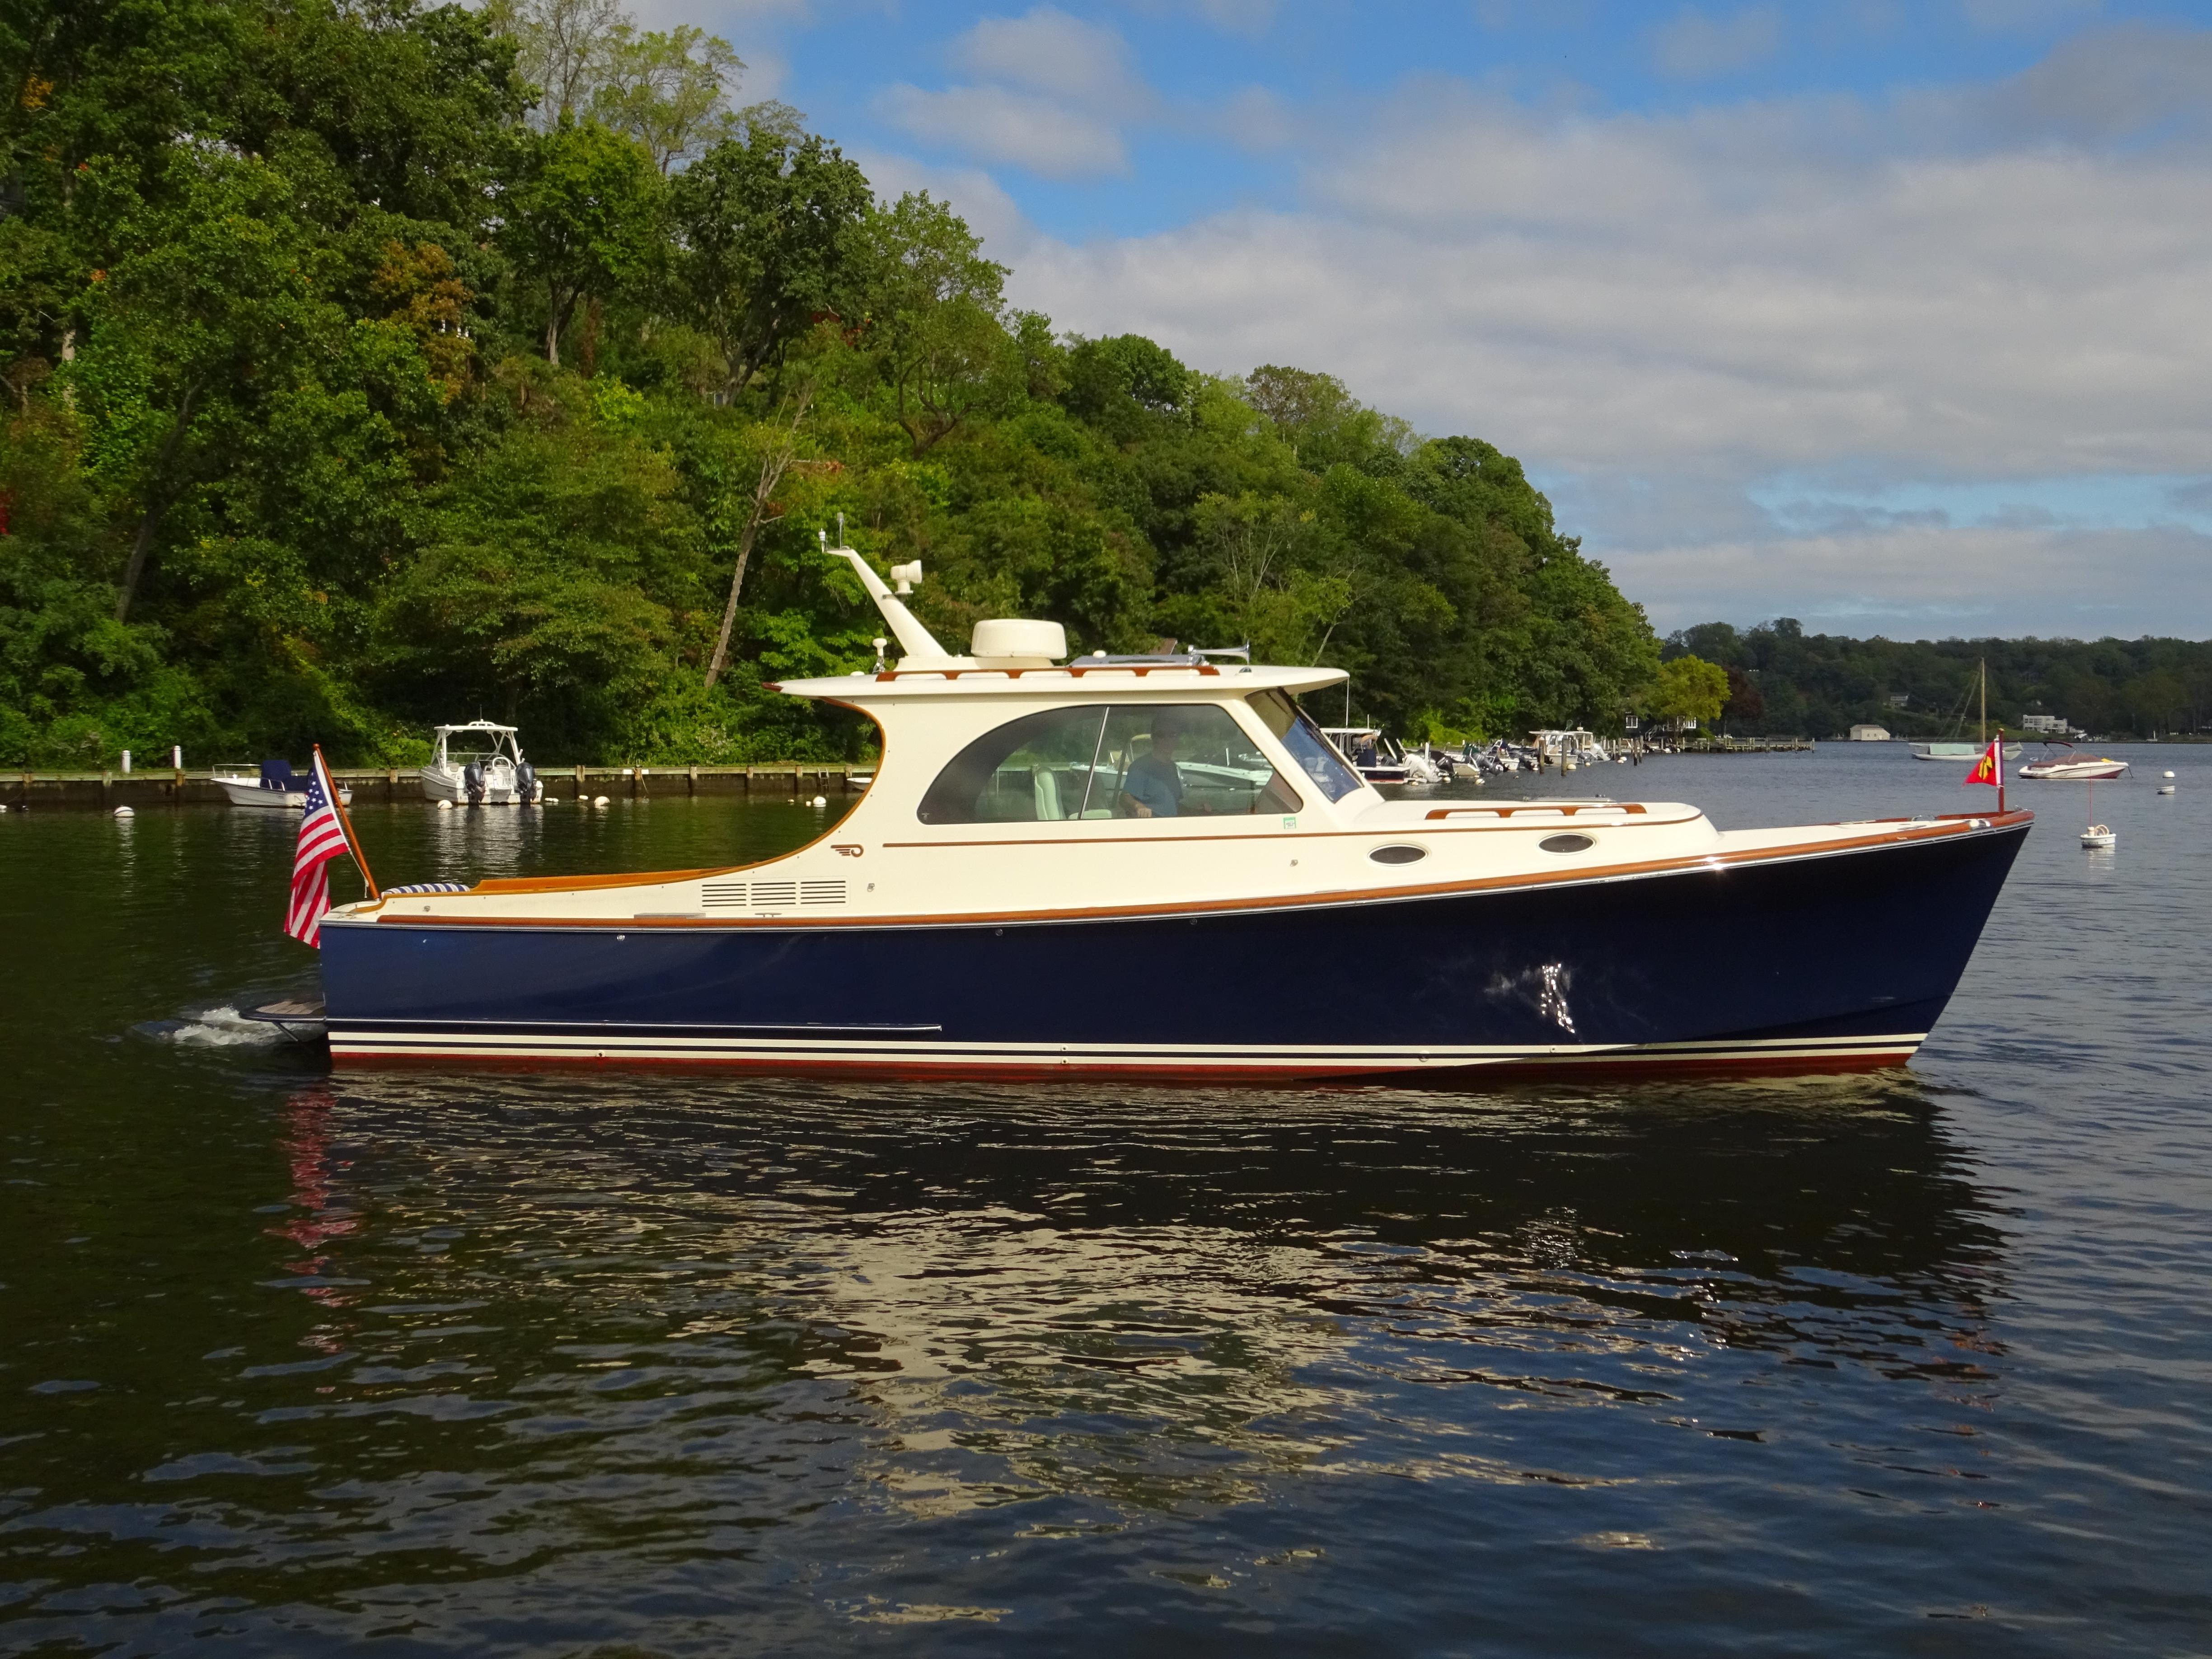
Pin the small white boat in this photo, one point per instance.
(1379, 759)
(1953, 753)
(2070, 768)
(2099, 835)
(1569, 747)
(478, 764)
(275, 786)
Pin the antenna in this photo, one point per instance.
(841, 530)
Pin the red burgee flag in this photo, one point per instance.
(322, 838)
(1989, 769)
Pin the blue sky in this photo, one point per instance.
(1889, 317)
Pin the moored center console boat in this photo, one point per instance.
(1161, 867)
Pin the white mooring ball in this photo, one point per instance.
(445, 806)
(821, 800)
(126, 813)
(598, 801)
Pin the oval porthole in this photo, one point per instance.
(1399, 854)
(1567, 843)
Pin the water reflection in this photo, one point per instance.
(1164, 1303)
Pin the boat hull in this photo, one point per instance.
(248, 792)
(1952, 753)
(2073, 771)
(445, 783)
(1836, 962)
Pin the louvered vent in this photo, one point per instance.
(723, 895)
(821, 892)
(774, 892)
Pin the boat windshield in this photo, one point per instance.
(1311, 750)
(1101, 761)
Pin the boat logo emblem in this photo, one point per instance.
(848, 850)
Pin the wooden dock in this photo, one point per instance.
(767, 780)
(1748, 746)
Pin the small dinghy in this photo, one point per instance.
(277, 786)
(2099, 835)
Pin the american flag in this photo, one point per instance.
(322, 838)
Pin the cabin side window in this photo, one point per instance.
(1316, 755)
(1103, 760)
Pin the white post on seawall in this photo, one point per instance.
(177, 757)
(126, 763)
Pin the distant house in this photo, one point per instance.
(2043, 722)
(1900, 700)
(1863, 733)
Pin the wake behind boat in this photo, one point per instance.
(1034, 885)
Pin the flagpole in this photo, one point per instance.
(353, 841)
(2000, 765)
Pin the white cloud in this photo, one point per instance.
(975, 196)
(2026, 16)
(1054, 94)
(1662, 314)
(1050, 52)
(1249, 18)
(1930, 582)
(1692, 45)
(1047, 136)
(1256, 119)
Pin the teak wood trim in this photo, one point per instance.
(1072, 672)
(1566, 812)
(1385, 833)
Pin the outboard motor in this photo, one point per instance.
(472, 782)
(525, 784)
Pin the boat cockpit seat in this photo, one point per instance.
(1044, 791)
(278, 774)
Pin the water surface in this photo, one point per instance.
(579, 1364)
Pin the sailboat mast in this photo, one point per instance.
(1982, 729)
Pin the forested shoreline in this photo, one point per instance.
(1785, 682)
(372, 366)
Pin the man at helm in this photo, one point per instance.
(1154, 787)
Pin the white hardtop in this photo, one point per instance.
(475, 725)
(1011, 656)
(1167, 679)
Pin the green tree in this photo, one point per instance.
(669, 91)
(582, 218)
(766, 230)
(1688, 689)
(934, 323)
